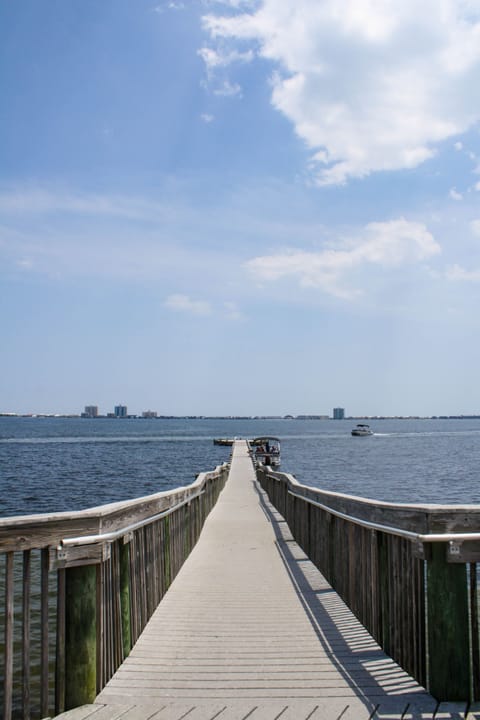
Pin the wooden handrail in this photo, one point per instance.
(25, 532)
(126, 529)
(418, 537)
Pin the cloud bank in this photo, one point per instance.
(387, 245)
(369, 85)
(184, 303)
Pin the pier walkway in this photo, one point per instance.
(250, 629)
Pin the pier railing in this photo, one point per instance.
(78, 589)
(408, 572)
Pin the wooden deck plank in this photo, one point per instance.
(474, 711)
(110, 712)
(97, 711)
(451, 711)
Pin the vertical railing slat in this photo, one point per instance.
(44, 663)
(60, 653)
(26, 624)
(100, 615)
(8, 638)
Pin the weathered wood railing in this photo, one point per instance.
(80, 587)
(408, 572)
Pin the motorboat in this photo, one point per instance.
(362, 430)
(266, 451)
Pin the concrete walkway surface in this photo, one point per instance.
(250, 629)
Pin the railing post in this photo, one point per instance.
(448, 632)
(125, 597)
(384, 587)
(166, 552)
(80, 636)
(8, 637)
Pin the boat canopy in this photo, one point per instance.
(263, 440)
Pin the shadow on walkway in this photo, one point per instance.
(374, 677)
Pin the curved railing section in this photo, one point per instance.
(408, 573)
(78, 589)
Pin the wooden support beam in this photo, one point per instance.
(80, 636)
(448, 631)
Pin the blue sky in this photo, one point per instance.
(240, 206)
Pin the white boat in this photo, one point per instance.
(266, 451)
(362, 430)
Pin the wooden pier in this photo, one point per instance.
(243, 596)
(250, 628)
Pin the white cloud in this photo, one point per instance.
(29, 201)
(455, 195)
(184, 303)
(458, 146)
(232, 311)
(221, 58)
(458, 274)
(207, 118)
(477, 186)
(475, 227)
(235, 4)
(387, 245)
(171, 5)
(369, 85)
(228, 89)
(133, 238)
(25, 264)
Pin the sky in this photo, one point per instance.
(240, 207)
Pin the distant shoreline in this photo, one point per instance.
(53, 416)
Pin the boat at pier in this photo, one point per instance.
(267, 451)
(362, 430)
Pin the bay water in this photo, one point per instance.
(64, 464)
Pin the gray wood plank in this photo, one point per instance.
(243, 710)
(474, 711)
(144, 711)
(391, 709)
(110, 712)
(451, 711)
(95, 711)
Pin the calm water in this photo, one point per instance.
(70, 464)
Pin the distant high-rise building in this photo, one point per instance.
(149, 414)
(120, 411)
(91, 411)
(338, 413)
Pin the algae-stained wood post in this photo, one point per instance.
(448, 627)
(125, 596)
(80, 636)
